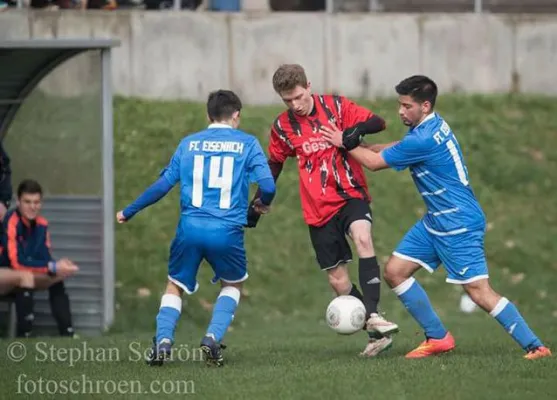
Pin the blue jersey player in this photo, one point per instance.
(451, 232)
(214, 168)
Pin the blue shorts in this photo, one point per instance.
(462, 255)
(201, 238)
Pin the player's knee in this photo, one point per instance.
(482, 294)
(364, 245)
(394, 276)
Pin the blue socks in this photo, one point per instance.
(223, 312)
(167, 318)
(509, 317)
(417, 303)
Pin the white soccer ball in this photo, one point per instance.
(346, 315)
(467, 305)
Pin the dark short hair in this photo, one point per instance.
(29, 186)
(419, 87)
(221, 104)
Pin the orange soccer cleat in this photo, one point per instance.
(433, 347)
(540, 352)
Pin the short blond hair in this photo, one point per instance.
(288, 76)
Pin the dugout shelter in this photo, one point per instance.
(56, 125)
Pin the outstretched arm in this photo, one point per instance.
(154, 193)
(378, 148)
(369, 158)
(169, 177)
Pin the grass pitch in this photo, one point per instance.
(279, 346)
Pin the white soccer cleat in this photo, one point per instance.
(377, 346)
(376, 323)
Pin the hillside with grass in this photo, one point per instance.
(508, 142)
(279, 345)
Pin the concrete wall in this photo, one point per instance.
(185, 55)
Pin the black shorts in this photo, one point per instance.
(329, 241)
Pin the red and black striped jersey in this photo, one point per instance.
(329, 176)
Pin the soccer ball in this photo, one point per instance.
(467, 305)
(346, 315)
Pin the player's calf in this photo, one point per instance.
(339, 279)
(167, 319)
(223, 314)
(508, 316)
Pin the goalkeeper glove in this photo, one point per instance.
(253, 216)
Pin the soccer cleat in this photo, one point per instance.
(376, 323)
(212, 351)
(159, 352)
(432, 347)
(377, 346)
(539, 352)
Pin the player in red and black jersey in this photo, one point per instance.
(333, 189)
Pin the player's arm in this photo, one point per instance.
(378, 148)
(260, 171)
(400, 155)
(369, 158)
(170, 176)
(279, 151)
(154, 193)
(358, 120)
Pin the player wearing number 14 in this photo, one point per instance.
(214, 168)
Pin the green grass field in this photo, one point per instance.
(279, 345)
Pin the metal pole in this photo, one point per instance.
(375, 5)
(478, 6)
(330, 6)
(177, 5)
(108, 189)
(19, 3)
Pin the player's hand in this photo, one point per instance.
(332, 134)
(349, 139)
(260, 208)
(120, 217)
(65, 268)
(253, 216)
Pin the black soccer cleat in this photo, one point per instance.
(159, 352)
(212, 351)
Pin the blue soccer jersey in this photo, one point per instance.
(432, 153)
(215, 168)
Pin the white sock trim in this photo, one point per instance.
(230, 291)
(404, 286)
(499, 307)
(172, 301)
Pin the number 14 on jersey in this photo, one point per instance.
(221, 174)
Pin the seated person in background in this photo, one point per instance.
(26, 247)
(5, 182)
